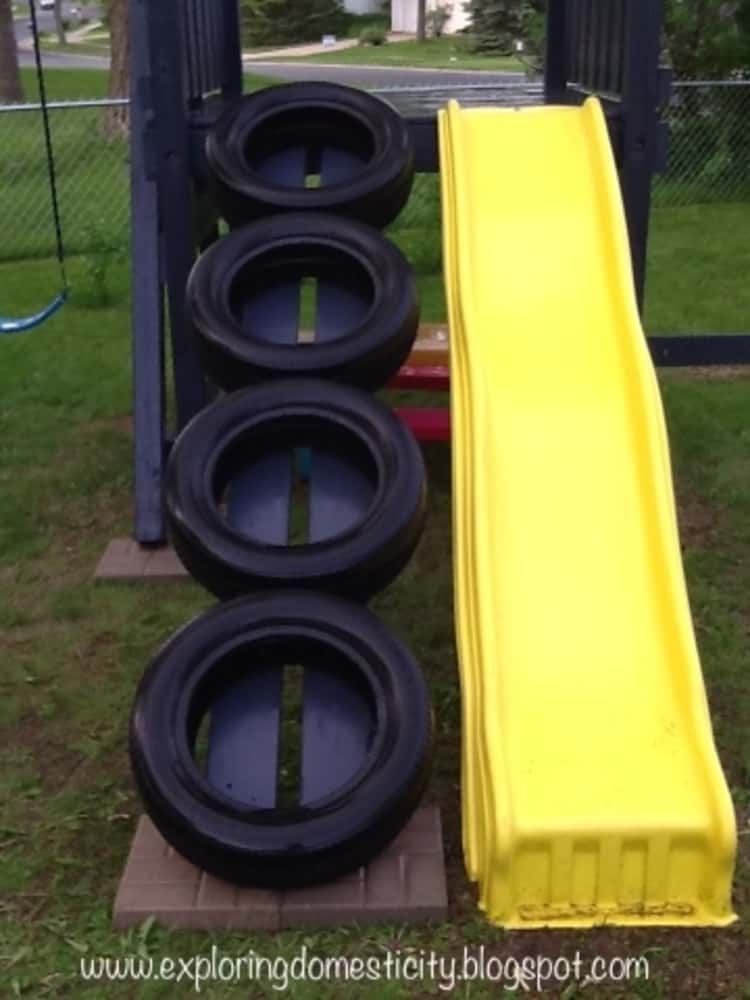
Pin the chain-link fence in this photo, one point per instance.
(709, 152)
(91, 167)
(709, 160)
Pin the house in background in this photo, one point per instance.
(404, 15)
(364, 6)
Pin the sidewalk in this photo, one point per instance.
(71, 37)
(313, 49)
(266, 55)
(81, 34)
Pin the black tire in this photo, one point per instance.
(279, 416)
(310, 115)
(298, 845)
(285, 249)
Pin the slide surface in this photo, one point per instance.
(592, 791)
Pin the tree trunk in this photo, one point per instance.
(116, 119)
(421, 18)
(59, 27)
(11, 89)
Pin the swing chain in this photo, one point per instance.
(48, 147)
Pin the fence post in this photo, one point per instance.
(165, 47)
(641, 127)
(147, 294)
(232, 50)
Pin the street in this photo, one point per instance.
(366, 76)
(46, 19)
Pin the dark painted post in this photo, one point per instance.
(556, 52)
(232, 49)
(641, 127)
(166, 39)
(147, 314)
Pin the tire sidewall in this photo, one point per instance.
(368, 355)
(352, 562)
(389, 786)
(375, 194)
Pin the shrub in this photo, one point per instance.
(373, 36)
(497, 24)
(358, 23)
(436, 19)
(94, 289)
(285, 22)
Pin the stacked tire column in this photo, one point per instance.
(293, 498)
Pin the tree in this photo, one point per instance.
(116, 118)
(705, 39)
(59, 24)
(421, 19)
(708, 39)
(11, 89)
(496, 25)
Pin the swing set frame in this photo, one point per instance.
(186, 65)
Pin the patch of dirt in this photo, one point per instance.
(55, 762)
(122, 424)
(697, 521)
(709, 372)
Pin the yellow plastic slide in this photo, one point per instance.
(592, 791)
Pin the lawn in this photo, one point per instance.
(86, 48)
(92, 181)
(74, 650)
(449, 52)
(66, 84)
(699, 259)
(79, 84)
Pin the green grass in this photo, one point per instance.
(66, 84)
(699, 257)
(72, 653)
(92, 48)
(92, 171)
(449, 52)
(79, 84)
(669, 191)
(360, 22)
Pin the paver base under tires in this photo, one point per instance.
(125, 560)
(406, 883)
